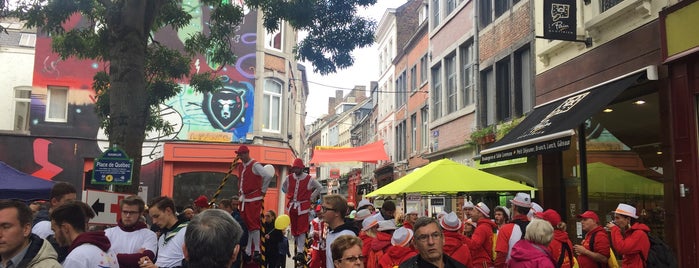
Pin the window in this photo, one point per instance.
(424, 132)
(423, 69)
(437, 92)
(486, 12)
(22, 107)
(413, 78)
(413, 133)
(57, 108)
(435, 13)
(272, 106)
(500, 6)
(490, 10)
(507, 90)
(450, 65)
(401, 90)
(274, 40)
(488, 99)
(502, 85)
(422, 16)
(27, 40)
(451, 6)
(468, 95)
(605, 5)
(523, 82)
(400, 141)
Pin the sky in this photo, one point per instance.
(364, 70)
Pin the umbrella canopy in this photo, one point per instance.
(604, 178)
(448, 177)
(17, 185)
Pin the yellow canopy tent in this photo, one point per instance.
(448, 177)
(604, 178)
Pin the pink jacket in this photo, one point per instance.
(526, 254)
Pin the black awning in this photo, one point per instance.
(549, 127)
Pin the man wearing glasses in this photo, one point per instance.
(333, 211)
(429, 241)
(131, 239)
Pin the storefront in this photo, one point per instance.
(599, 136)
(680, 53)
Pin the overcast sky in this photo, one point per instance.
(364, 70)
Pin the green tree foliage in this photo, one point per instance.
(142, 73)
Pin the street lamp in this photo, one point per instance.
(354, 140)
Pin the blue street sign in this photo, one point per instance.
(114, 167)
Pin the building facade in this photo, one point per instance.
(264, 94)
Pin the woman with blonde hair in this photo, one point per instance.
(532, 251)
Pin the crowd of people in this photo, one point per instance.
(523, 235)
(236, 232)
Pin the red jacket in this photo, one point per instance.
(396, 255)
(455, 245)
(366, 245)
(379, 245)
(632, 244)
(601, 246)
(556, 246)
(481, 243)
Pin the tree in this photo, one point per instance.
(142, 73)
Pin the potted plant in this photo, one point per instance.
(484, 135)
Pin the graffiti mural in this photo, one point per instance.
(57, 149)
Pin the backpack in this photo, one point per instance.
(659, 254)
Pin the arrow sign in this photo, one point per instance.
(105, 205)
(98, 207)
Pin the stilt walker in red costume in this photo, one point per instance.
(301, 190)
(318, 231)
(252, 186)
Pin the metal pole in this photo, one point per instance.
(583, 167)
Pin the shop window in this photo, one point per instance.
(188, 186)
(272, 106)
(22, 108)
(625, 160)
(57, 104)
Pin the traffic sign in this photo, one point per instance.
(113, 167)
(105, 205)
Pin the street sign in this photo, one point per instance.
(113, 167)
(105, 205)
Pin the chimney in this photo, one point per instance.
(359, 93)
(331, 106)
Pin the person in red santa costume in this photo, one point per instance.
(318, 231)
(252, 187)
(300, 189)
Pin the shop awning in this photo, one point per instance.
(370, 153)
(549, 127)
